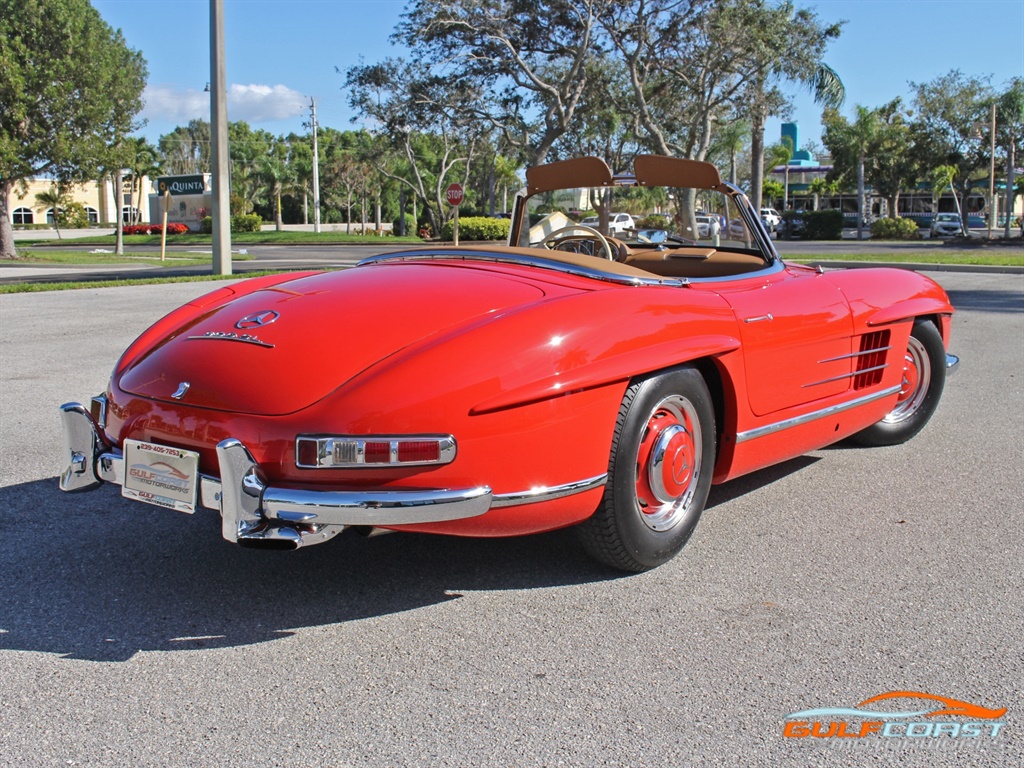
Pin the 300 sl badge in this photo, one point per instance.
(232, 336)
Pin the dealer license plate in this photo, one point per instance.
(158, 474)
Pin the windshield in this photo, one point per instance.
(669, 216)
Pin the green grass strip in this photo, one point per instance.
(242, 238)
(1003, 258)
(87, 258)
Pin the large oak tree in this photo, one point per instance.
(70, 88)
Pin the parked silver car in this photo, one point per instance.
(946, 225)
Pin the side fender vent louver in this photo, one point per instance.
(871, 360)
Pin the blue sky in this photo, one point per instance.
(279, 54)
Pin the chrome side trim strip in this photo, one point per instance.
(796, 421)
(546, 493)
(855, 354)
(952, 361)
(846, 375)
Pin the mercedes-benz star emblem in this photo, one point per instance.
(257, 319)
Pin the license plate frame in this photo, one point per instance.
(161, 475)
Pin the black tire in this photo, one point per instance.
(924, 376)
(659, 472)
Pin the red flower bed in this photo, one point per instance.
(174, 228)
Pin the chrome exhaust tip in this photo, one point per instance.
(270, 536)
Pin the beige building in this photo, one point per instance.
(96, 198)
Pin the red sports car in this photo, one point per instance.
(569, 378)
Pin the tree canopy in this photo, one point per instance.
(70, 88)
(667, 72)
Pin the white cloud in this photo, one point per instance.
(257, 103)
(252, 103)
(165, 102)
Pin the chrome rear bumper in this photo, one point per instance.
(256, 514)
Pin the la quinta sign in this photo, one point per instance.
(181, 185)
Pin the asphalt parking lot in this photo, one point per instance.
(136, 636)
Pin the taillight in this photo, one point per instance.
(377, 452)
(418, 452)
(345, 451)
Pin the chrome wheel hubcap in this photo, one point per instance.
(917, 377)
(668, 463)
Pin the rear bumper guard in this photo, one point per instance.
(256, 514)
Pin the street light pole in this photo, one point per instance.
(219, 144)
(992, 178)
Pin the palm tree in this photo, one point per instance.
(142, 161)
(765, 100)
(864, 132)
(781, 154)
(822, 187)
(301, 164)
(827, 88)
(940, 179)
(56, 197)
(730, 138)
(276, 177)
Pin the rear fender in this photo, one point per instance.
(620, 367)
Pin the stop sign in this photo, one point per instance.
(454, 194)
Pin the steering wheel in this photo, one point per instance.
(608, 253)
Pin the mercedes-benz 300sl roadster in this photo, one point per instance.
(568, 378)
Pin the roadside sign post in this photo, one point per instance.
(163, 230)
(454, 195)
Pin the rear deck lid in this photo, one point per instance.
(283, 348)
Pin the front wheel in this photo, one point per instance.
(659, 474)
(924, 376)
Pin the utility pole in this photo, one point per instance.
(219, 144)
(1010, 160)
(316, 167)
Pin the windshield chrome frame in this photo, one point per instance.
(746, 210)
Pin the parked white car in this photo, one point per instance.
(708, 226)
(771, 218)
(618, 223)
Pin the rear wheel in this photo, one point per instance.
(924, 375)
(659, 473)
